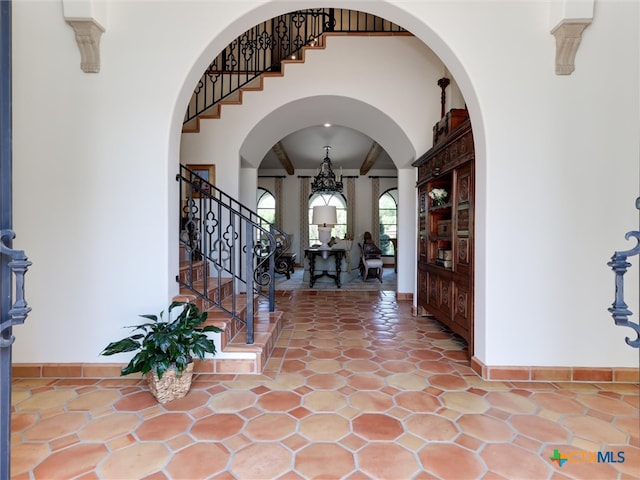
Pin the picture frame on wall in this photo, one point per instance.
(206, 172)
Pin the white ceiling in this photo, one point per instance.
(349, 149)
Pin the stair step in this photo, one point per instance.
(234, 355)
(222, 319)
(188, 269)
(215, 290)
(257, 84)
(246, 359)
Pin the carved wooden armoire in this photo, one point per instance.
(445, 225)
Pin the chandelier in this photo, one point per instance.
(325, 181)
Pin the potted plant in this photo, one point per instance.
(166, 349)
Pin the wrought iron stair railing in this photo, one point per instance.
(232, 243)
(263, 48)
(619, 309)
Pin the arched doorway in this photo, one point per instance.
(421, 31)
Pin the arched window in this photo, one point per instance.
(388, 214)
(336, 199)
(266, 205)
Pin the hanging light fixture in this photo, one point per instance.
(325, 181)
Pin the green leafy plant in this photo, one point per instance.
(165, 344)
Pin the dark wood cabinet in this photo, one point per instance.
(445, 228)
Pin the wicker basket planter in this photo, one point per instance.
(166, 348)
(172, 385)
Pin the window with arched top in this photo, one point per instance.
(266, 205)
(335, 199)
(388, 216)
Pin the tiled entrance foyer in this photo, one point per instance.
(358, 388)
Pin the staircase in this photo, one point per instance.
(255, 85)
(234, 355)
(227, 268)
(266, 49)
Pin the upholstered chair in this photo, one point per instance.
(371, 260)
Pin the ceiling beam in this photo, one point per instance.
(281, 153)
(372, 156)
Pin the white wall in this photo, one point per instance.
(551, 148)
(95, 158)
(94, 172)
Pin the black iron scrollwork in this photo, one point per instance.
(19, 265)
(619, 309)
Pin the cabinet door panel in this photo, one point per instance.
(464, 220)
(463, 255)
(423, 298)
(432, 290)
(445, 292)
(462, 306)
(464, 185)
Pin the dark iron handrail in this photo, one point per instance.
(262, 49)
(236, 246)
(619, 309)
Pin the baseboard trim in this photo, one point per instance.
(492, 373)
(69, 370)
(556, 374)
(215, 366)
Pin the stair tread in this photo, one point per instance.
(261, 321)
(264, 322)
(223, 280)
(262, 333)
(212, 282)
(187, 263)
(250, 87)
(267, 327)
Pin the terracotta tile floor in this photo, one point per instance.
(358, 388)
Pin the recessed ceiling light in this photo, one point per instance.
(327, 124)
